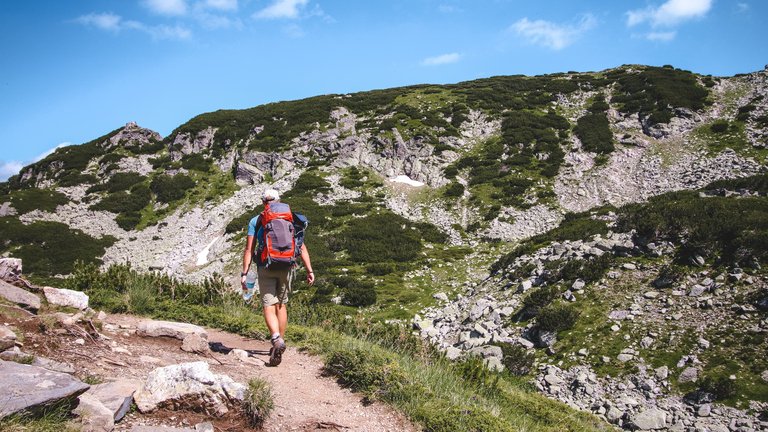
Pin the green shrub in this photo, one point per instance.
(756, 183)
(723, 387)
(196, 162)
(310, 181)
(380, 237)
(595, 133)
(75, 177)
(517, 360)
(557, 317)
(118, 182)
(538, 299)
(171, 188)
(589, 270)
(49, 248)
(360, 294)
(26, 200)
(719, 126)
(259, 401)
(128, 220)
(125, 202)
(375, 373)
(454, 189)
(380, 269)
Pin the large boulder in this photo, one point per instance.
(94, 416)
(10, 269)
(27, 388)
(189, 386)
(171, 329)
(65, 297)
(19, 296)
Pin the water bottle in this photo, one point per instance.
(250, 283)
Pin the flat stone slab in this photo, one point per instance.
(652, 419)
(28, 387)
(66, 297)
(171, 329)
(116, 396)
(19, 296)
(7, 338)
(94, 416)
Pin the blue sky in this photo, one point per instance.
(73, 70)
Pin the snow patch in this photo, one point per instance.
(202, 257)
(407, 180)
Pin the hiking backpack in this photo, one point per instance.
(279, 249)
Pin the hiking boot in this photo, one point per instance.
(276, 352)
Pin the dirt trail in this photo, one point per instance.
(305, 400)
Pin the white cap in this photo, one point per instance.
(271, 195)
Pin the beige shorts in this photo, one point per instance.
(274, 285)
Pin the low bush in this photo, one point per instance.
(259, 401)
(588, 270)
(125, 202)
(171, 188)
(557, 317)
(722, 388)
(517, 359)
(380, 269)
(359, 294)
(537, 300)
(118, 182)
(719, 126)
(196, 162)
(26, 200)
(454, 190)
(380, 237)
(49, 248)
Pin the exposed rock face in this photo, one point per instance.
(28, 387)
(189, 144)
(132, 135)
(10, 269)
(19, 296)
(170, 329)
(66, 297)
(188, 386)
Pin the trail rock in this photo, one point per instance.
(188, 386)
(65, 297)
(171, 329)
(194, 343)
(19, 296)
(94, 416)
(28, 387)
(689, 374)
(142, 428)
(7, 338)
(651, 419)
(116, 396)
(10, 269)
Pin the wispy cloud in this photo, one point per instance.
(223, 5)
(8, 169)
(294, 31)
(103, 21)
(661, 36)
(166, 7)
(282, 9)
(553, 35)
(670, 13)
(441, 59)
(742, 7)
(115, 23)
(50, 151)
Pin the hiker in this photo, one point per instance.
(280, 238)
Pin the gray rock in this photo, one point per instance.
(689, 374)
(10, 269)
(94, 416)
(704, 410)
(53, 365)
(662, 372)
(19, 296)
(194, 343)
(66, 297)
(27, 387)
(116, 396)
(440, 296)
(494, 364)
(651, 419)
(618, 315)
(553, 380)
(204, 427)
(452, 353)
(623, 357)
(613, 415)
(578, 285)
(188, 386)
(651, 294)
(142, 428)
(171, 329)
(764, 375)
(629, 266)
(487, 351)
(697, 290)
(7, 338)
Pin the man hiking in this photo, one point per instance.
(276, 231)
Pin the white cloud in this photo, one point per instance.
(115, 23)
(166, 7)
(670, 13)
(661, 36)
(224, 5)
(50, 151)
(294, 31)
(441, 59)
(103, 21)
(214, 22)
(282, 9)
(742, 7)
(552, 35)
(8, 169)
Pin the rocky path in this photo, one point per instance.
(305, 400)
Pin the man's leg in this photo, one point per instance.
(271, 317)
(282, 318)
